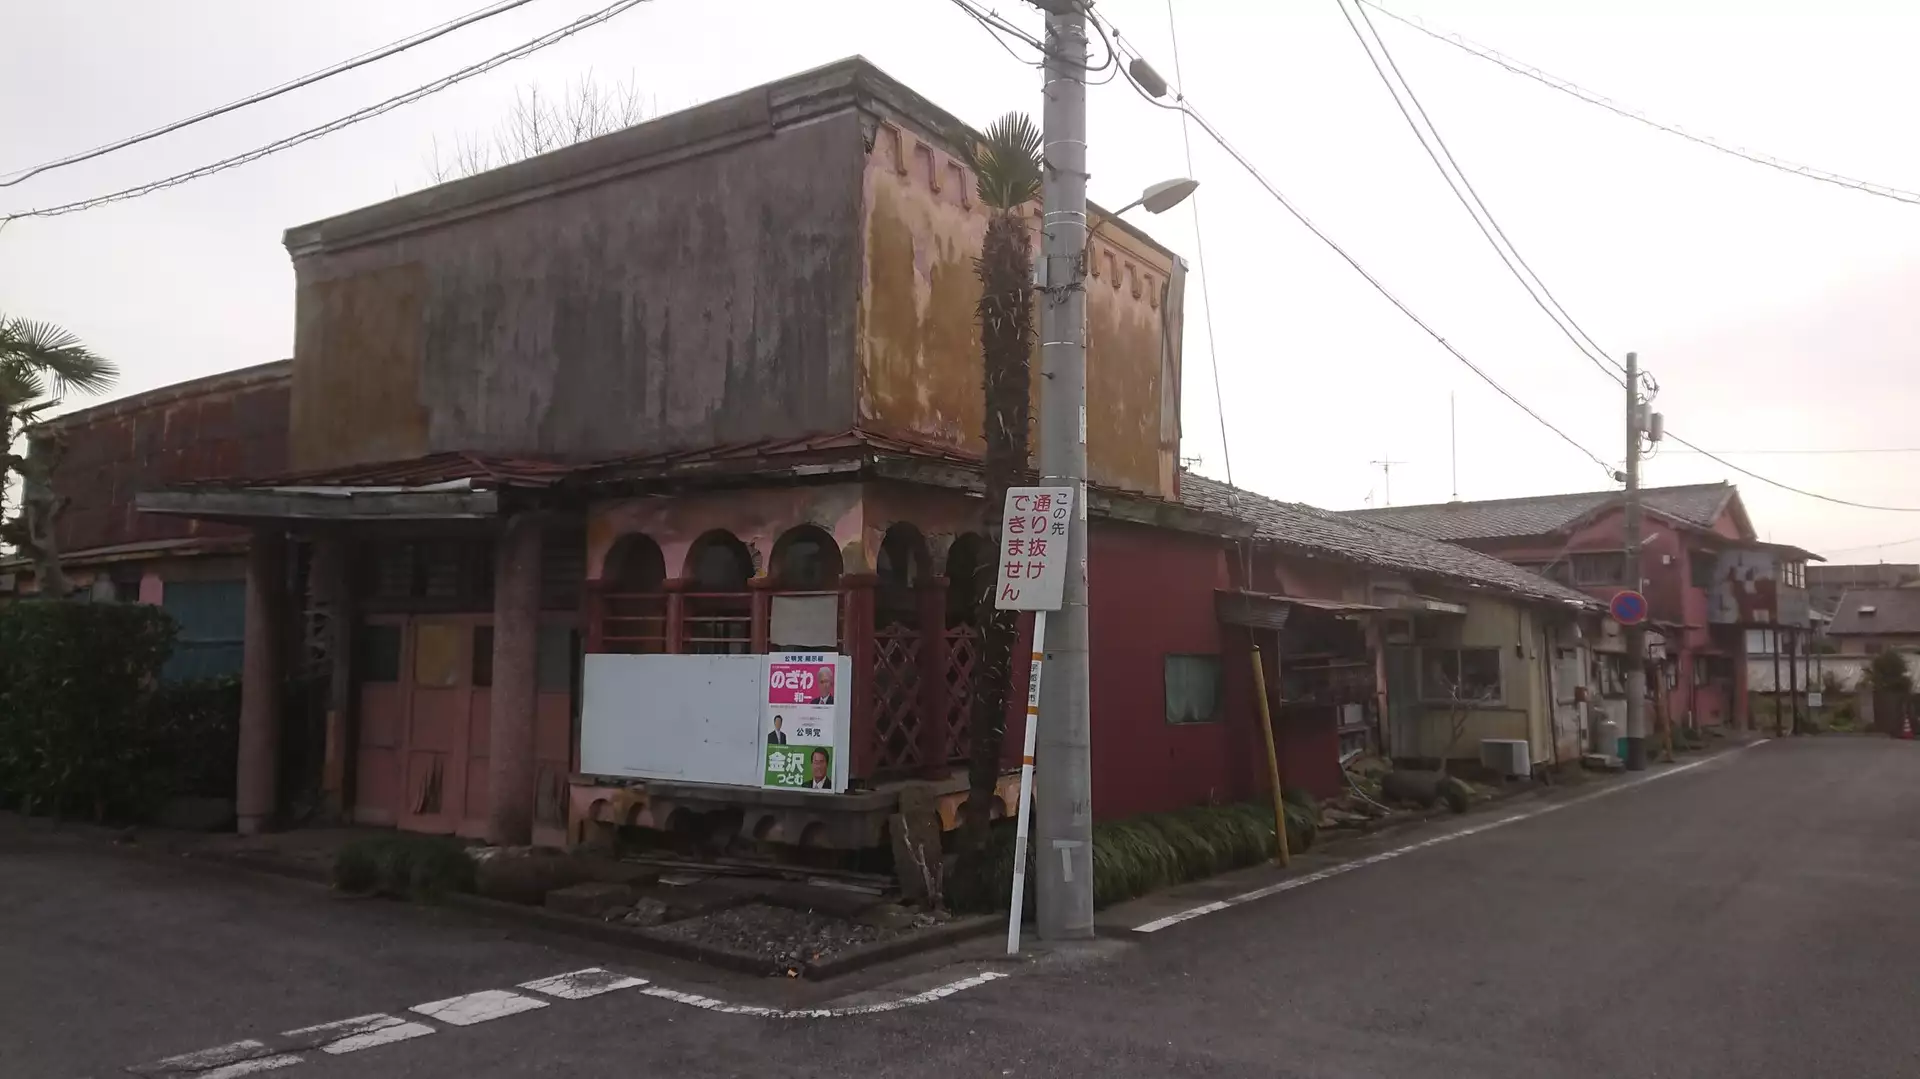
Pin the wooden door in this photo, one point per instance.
(439, 726)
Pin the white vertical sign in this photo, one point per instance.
(1033, 573)
(1033, 548)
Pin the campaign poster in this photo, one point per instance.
(804, 722)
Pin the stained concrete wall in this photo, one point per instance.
(683, 283)
(797, 259)
(919, 335)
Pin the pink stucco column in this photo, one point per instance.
(516, 629)
(261, 679)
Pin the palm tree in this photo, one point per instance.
(1007, 170)
(40, 363)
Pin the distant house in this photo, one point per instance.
(1708, 579)
(219, 425)
(1872, 620)
(1826, 584)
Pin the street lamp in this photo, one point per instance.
(1161, 197)
(1156, 199)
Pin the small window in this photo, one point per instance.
(378, 646)
(1193, 688)
(482, 657)
(1467, 674)
(1600, 567)
(1701, 566)
(1794, 574)
(555, 650)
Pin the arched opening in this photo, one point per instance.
(970, 566)
(719, 610)
(806, 559)
(903, 561)
(633, 610)
(635, 564)
(719, 562)
(899, 571)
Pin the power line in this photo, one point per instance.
(365, 58)
(1200, 254)
(1874, 546)
(1811, 453)
(1470, 199)
(1182, 104)
(1572, 89)
(524, 49)
(1788, 487)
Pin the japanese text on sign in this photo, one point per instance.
(1033, 548)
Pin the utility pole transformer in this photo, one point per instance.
(1064, 791)
(1636, 634)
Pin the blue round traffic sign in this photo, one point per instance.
(1628, 608)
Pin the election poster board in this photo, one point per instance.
(806, 721)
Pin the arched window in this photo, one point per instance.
(635, 564)
(719, 562)
(633, 610)
(903, 560)
(806, 559)
(970, 565)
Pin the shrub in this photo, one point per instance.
(1887, 673)
(1146, 853)
(404, 865)
(194, 729)
(74, 684)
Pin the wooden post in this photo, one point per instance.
(676, 628)
(1282, 854)
(332, 569)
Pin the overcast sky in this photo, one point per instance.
(1777, 313)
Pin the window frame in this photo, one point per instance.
(1619, 576)
(1218, 671)
(1428, 692)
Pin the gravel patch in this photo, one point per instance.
(790, 937)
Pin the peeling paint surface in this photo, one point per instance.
(920, 349)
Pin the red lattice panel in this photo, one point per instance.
(896, 699)
(963, 650)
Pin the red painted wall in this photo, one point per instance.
(227, 425)
(1153, 594)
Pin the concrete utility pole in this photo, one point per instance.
(1637, 632)
(1064, 791)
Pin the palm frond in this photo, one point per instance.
(35, 349)
(1006, 162)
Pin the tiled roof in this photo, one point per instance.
(1542, 515)
(1895, 611)
(1368, 542)
(481, 470)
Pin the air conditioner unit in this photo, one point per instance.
(1507, 756)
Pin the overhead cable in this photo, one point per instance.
(309, 79)
(526, 48)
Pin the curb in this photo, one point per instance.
(636, 938)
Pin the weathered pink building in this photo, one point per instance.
(1706, 575)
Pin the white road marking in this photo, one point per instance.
(206, 1059)
(1374, 859)
(481, 1007)
(694, 1000)
(360, 1032)
(249, 1067)
(581, 984)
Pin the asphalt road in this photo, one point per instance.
(1756, 915)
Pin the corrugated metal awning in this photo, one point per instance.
(1262, 610)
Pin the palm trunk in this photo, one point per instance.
(1006, 339)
